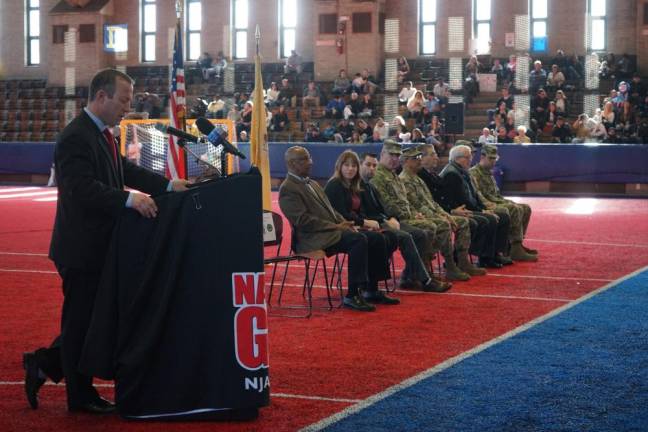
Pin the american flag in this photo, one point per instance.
(175, 167)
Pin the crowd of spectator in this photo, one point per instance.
(622, 118)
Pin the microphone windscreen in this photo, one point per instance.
(161, 127)
(204, 126)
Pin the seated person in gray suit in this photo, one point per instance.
(317, 226)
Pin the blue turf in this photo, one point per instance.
(585, 369)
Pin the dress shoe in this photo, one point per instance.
(406, 284)
(489, 263)
(33, 382)
(434, 285)
(96, 406)
(357, 303)
(504, 260)
(379, 297)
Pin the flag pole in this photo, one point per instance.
(259, 155)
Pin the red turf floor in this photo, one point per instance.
(322, 365)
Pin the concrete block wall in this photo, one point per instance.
(566, 28)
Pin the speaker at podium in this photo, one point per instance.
(454, 118)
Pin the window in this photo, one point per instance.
(33, 32)
(597, 12)
(287, 26)
(482, 25)
(240, 20)
(427, 26)
(361, 22)
(149, 27)
(328, 23)
(58, 33)
(193, 25)
(86, 33)
(539, 25)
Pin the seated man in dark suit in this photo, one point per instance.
(479, 229)
(410, 241)
(461, 195)
(317, 226)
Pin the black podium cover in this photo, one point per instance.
(180, 320)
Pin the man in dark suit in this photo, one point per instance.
(410, 239)
(91, 176)
(479, 225)
(317, 226)
(461, 196)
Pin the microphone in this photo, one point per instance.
(216, 136)
(177, 133)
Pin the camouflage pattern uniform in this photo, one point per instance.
(520, 214)
(421, 200)
(393, 196)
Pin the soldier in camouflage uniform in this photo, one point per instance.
(421, 199)
(520, 214)
(393, 196)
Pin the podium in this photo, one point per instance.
(180, 320)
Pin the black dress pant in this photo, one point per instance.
(368, 261)
(61, 359)
(491, 235)
(354, 244)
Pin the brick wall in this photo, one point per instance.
(565, 26)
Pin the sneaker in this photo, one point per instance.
(357, 303)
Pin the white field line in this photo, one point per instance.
(454, 360)
(448, 293)
(280, 395)
(28, 271)
(21, 189)
(573, 242)
(26, 194)
(24, 254)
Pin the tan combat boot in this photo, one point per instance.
(454, 273)
(519, 254)
(468, 267)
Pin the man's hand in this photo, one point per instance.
(179, 185)
(490, 205)
(461, 211)
(346, 226)
(419, 216)
(393, 223)
(144, 205)
(371, 224)
(491, 212)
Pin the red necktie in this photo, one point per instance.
(112, 146)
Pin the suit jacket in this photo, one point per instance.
(459, 189)
(371, 204)
(311, 215)
(436, 185)
(91, 194)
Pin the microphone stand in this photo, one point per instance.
(223, 158)
(183, 143)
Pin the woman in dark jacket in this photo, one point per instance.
(344, 193)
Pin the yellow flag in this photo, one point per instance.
(259, 135)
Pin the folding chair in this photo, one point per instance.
(318, 256)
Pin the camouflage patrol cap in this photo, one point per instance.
(466, 143)
(392, 147)
(489, 150)
(412, 152)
